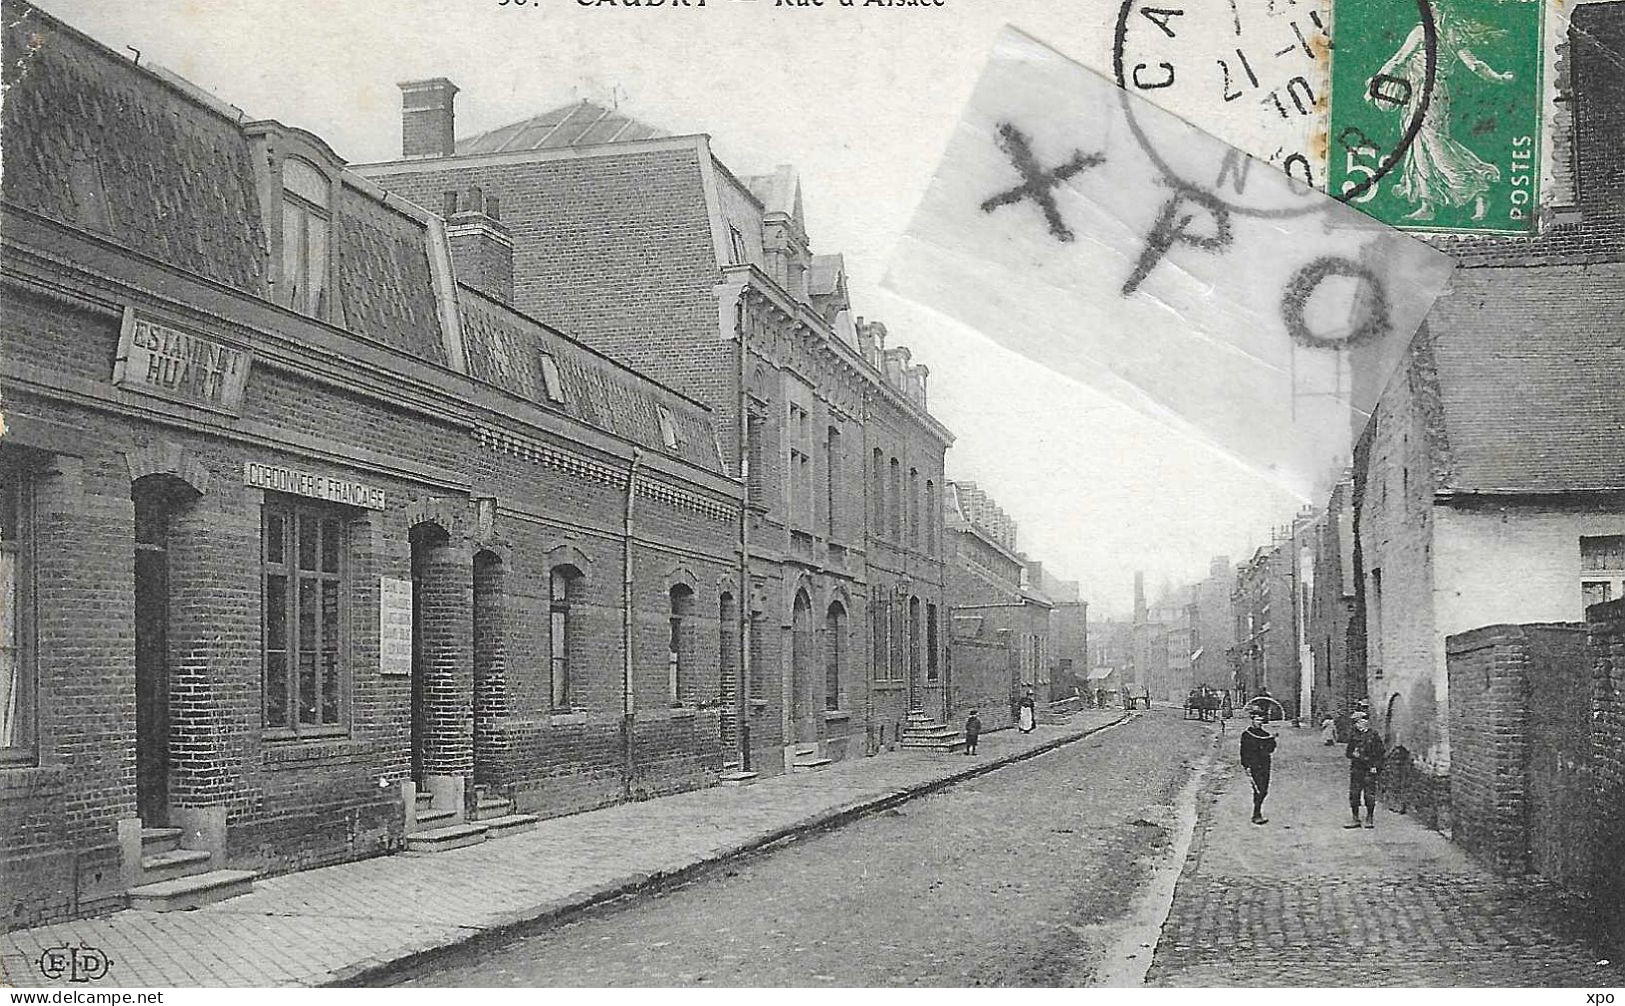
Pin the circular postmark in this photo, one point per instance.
(1241, 74)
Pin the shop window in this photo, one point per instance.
(306, 222)
(1602, 568)
(17, 670)
(305, 604)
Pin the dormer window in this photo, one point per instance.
(306, 218)
(668, 427)
(552, 384)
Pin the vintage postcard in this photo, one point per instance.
(716, 495)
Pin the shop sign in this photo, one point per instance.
(322, 487)
(157, 358)
(394, 626)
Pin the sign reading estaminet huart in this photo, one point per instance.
(159, 358)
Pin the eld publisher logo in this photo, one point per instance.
(75, 964)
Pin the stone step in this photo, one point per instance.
(156, 840)
(511, 824)
(491, 808)
(431, 819)
(453, 836)
(935, 730)
(424, 800)
(810, 764)
(173, 865)
(191, 892)
(806, 749)
(736, 778)
(934, 744)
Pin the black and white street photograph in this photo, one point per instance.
(812, 494)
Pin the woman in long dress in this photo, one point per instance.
(1027, 714)
(1436, 168)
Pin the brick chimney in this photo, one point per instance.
(481, 247)
(427, 114)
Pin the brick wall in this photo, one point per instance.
(1521, 749)
(982, 676)
(1606, 623)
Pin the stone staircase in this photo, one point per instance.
(922, 733)
(433, 829)
(173, 878)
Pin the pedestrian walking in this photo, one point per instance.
(1257, 748)
(1365, 754)
(1328, 731)
(1027, 715)
(973, 730)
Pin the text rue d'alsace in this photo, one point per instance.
(679, 4)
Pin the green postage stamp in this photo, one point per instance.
(1436, 112)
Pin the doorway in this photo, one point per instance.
(802, 720)
(153, 504)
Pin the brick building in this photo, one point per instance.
(648, 248)
(1334, 632)
(1213, 626)
(992, 602)
(1264, 658)
(1490, 484)
(1111, 642)
(1068, 631)
(307, 545)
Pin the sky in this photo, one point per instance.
(862, 101)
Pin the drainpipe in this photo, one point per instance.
(628, 706)
(742, 607)
(869, 633)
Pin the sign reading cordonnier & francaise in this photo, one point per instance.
(157, 358)
(321, 487)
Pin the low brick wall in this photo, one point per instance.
(1606, 643)
(1522, 750)
(980, 680)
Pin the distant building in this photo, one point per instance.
(1069, 631)
(1110, 647)
(1213, 628)
(1264, 658)
(1001, 637)
(1335, 631)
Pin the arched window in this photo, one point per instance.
(564, 590)
(895, 513)
(877, 494)
(832, 479)
(679, 652)
(834, 654)
(879, 615)
(914, 507)
(933, 517)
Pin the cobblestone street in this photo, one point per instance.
(1017, 877)
(1302, 901)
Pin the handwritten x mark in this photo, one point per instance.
(1037, 183)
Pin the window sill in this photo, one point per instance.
(297, 753)
(836, 716)
(889, 686)
(20, 781)
(757, 705)
(684, 712)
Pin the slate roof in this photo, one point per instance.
(95, 142)
(1531, 379)
(579, 125)
(505, 348)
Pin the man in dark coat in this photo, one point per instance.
(1365, 754)
(973, 730)
(1257, 748)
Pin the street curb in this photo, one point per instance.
(364, 972)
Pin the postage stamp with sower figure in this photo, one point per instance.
(1436, 112)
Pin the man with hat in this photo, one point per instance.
(1365, 754)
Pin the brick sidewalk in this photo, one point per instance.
(1301, 901)
(340, 922)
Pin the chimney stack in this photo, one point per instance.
(427, 114)
(481, 247)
